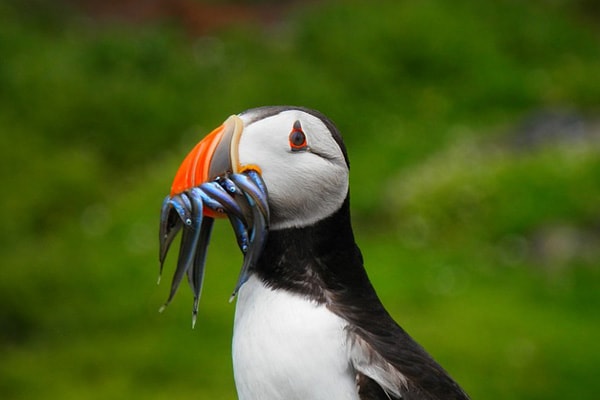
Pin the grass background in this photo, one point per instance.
(473, 132)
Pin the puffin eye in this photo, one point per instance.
(297, 138)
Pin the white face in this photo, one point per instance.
(304, 186)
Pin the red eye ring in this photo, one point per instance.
(297, 138)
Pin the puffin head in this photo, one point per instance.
(267, 168)
(298, 152)
(302, 159)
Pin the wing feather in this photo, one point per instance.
(369, 363)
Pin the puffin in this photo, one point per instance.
(308, 323)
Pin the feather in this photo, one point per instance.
(369, 363)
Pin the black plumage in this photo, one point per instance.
(323, 263)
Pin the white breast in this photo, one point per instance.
(286, 347)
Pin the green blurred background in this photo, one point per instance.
(474, 134)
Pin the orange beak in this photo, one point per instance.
(195, 194)
(215, 155)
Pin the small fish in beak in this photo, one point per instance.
(209, 184)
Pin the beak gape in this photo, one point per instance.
(209, 184)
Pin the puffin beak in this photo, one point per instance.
(211, 183)
(215, 155)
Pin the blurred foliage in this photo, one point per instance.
(484, 247)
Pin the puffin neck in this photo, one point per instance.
(313, 260)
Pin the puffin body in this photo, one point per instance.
(285, 347)
(308, 323)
